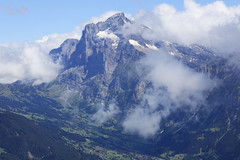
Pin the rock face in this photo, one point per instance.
(99, 63)
(64, 52)
(102, 64)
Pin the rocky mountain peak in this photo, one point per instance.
(114, 22)
(90, 49)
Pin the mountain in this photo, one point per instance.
(103, 68)
(107, 79)
(104, 54)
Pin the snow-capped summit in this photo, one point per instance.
(114, 22)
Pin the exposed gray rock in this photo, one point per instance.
(64, 52)
(102, 64)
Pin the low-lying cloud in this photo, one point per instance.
(174, 85)
(105, 112)
(214, 25)
(25, 62)
(30, 62)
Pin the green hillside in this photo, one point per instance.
(23, 139)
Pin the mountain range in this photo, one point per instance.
(121, 95)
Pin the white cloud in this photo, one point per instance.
(104, 112)
(49, 42)
(25, 62)
(106, 34)
(214, 25)
(173, 86)
(30, 61)
(142, 121)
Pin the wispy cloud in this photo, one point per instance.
(14, 11)
(105, 112)
(25, 62)
(174, 85)
(30, 61)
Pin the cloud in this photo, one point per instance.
(142, 121)
(174, 86)
(14, 11)
(214, 25)
(49, 42)
(30, 61)
(25, 62)
(105, 112)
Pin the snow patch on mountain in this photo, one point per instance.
(134, 43)
(171, 53)
(115, 44)
(106, 34)
(152, 47)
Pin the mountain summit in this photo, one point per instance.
(93, 34)
(101, 50)
(114, 22)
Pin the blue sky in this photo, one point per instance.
(32, 19)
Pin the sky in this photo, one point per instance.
(30, 20)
